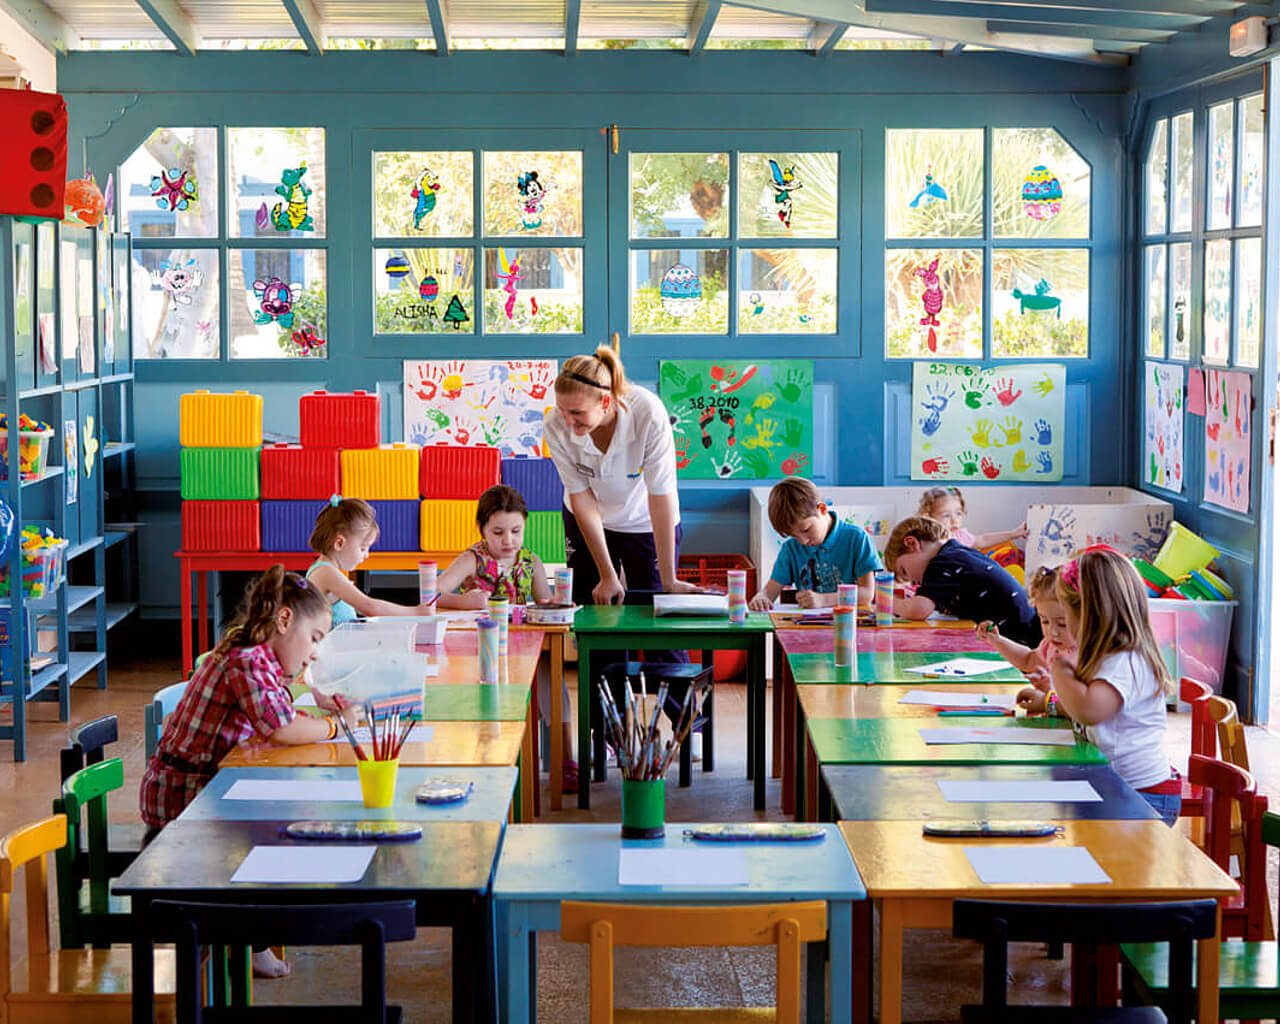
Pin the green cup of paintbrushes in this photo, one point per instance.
(644, 805)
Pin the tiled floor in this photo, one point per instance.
(941, 974)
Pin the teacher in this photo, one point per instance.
(613, 446)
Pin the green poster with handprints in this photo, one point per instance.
(740, 420)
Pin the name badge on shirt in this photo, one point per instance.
(585, 470)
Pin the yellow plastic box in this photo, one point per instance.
(386, 473)
(208, 420)
(449, 524)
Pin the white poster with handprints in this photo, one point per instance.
(1162, 438)
(498, 403)
(1056, 532)
(976, 423)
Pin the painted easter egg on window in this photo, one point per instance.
(429, 288)
(681, 291)
(397, 268)
(1041, 194)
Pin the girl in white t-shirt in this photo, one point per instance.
(1117, 685)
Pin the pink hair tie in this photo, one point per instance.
(1070, 574)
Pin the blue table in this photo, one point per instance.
(541, 865)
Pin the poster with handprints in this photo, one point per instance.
(975, 423)
(1162, 437)
(740, 420)
(1056, 532)
(478, 402)
(1228, 438)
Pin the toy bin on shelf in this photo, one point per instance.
(398, 525)
(537, 481)
(219, 474)
(713, 570)
(221, 526)
(387, 473)
(1183, 551)
(544, 536)
(293, 473)
(1193, 637)
(209, 420)
(33, 453)
(42, 570)
(287, 525)
(448, 524)
(447, 471)
(328, 419)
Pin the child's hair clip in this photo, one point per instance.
(302, 583)
(335, 500)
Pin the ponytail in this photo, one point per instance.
(599, 373)
(255, 621)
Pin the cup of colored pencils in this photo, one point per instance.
(378, 769)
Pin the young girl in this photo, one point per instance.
(1116, 687)
(242, 690)
(1058, 640)
(946, 504)
(499, 563)
(344, 532)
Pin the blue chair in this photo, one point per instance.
(154, 714)
(87, 746)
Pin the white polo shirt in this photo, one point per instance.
(641, 460)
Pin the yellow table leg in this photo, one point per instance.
(891, 925)
(1207, 966)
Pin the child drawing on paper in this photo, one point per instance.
(946, 504)
(1058, 640)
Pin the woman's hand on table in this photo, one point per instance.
(608, 592)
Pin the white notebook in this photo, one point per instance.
(690, 604)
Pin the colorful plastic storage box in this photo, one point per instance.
(537, 481)
(387, 473)
(398, 525)
(544, 535)
(450, 472)
(287, 525)
(448, 524)
(293, 473)
(329, 419)
(207, 420)
(219, 474)
(1193, 637)
(221, 526)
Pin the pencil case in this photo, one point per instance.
(444, 791)
(756, 832)
(990, 829)
(363, 830)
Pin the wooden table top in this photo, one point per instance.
(898, 741)
(452, 743)
(857, 700)
(892, 666)
(476, 702)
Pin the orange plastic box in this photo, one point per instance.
(293, 473)
(387, 473)
(330, 419)
(208, 420)
(221, 526)
(449, 524)
(450, 472)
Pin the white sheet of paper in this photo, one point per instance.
(959, 668)
(690, 604)
(418, 734)
(332, 865)
(341, 790)
(1013, 735)
(305, 700)
(433, 670)
(962, 791)
(714, 868)
(1061, 865)
(957, 699)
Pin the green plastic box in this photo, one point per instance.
(544, 535)
(220, 474)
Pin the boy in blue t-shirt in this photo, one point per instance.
(820, 551)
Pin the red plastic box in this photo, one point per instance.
(450, 472)
(293, 473)
(330, 419)
(33, 159)
(221, 526)
(713, 570)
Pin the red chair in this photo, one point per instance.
(1204, 741)
(1224, 786)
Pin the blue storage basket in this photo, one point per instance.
(537, 481)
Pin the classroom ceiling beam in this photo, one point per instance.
(173, 21)
(1038, 15)
(307, 22)
(438, 12)
(1095, 32)
(701, 24)
(824, 36)
(42, 23)
(572, 19)
(1195, 8)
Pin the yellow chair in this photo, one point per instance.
(604, 925)
(68, 985)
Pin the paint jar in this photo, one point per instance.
(847, 594)
(884, 598)
(737, 595)
(564, 586)
(487, 639)
(378, 781)
(845, 622)
(500, 612)
(427, 590)
(643, 808)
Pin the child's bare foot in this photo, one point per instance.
(267, 965)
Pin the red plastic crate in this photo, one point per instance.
(713, 570)
(293, 473)
(329, 419)
(446, 471)
(221, 526)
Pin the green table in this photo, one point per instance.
(602, 628)
(891, 667)
(897, 741)
(476, 702)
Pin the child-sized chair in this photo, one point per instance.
(605, 925)
(1203, 742)
(154, 714)
(87, 743)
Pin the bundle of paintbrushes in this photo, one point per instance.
(386, 739)
(637, 736)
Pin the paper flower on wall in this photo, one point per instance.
(1041, 194)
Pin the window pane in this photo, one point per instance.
(1040, 302)
(1222, 164)
(176, 304)
(933, 303)
(423, 291)
(1248, 283)
(1182, 156)
(679, 195)
(1180, 306)
(1157, 175)
(1041, 185)
(1155, 270)
(788, 195)
(423, 194)
(275, 182)
(676, 291)
(533, 194)
(532, 291)
(933, 184)
(1217, 301)
(787, 291)
(1252, 142)
(277, 303)
(169, 186)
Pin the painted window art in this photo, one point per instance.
(278, 303)
(1040, 185)
(1153, 261)
(533, 194)
(275, 182)
(933, 303)
(787, 291)
(429, 194)
(1040, 302)
(1248, 300)
(531, 290)
(169, 185)
(680, 195)
(1180, 301)
(1252, 160)
(679, 291)
(1222, 166)
(788, 195)
(1157, 179)
(1217, 301)
(934, 183)
(176, 303)
(1182, 153)
(424, 291)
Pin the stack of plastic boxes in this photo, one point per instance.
(221, 437)
(450, 480)
(539, 483)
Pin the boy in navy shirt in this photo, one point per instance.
(820, 551)
(957, 580)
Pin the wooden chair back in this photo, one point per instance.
(87, 744)
(154, 714)
(1230, 731)
(1204, 736)
(28, 846)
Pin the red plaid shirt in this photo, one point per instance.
(228, 700)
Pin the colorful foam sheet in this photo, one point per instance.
(1228, 445)
(738, 419)
(1056, 532)
(1162, 460)
(975, 423)
(478, 402)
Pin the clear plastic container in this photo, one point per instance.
(428, 629)
(369, 674)
(392, 632)
(1193, 637)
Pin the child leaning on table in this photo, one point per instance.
(820, 551)
(1058, 640)
(1116, 686)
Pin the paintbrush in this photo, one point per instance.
(351, 738)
